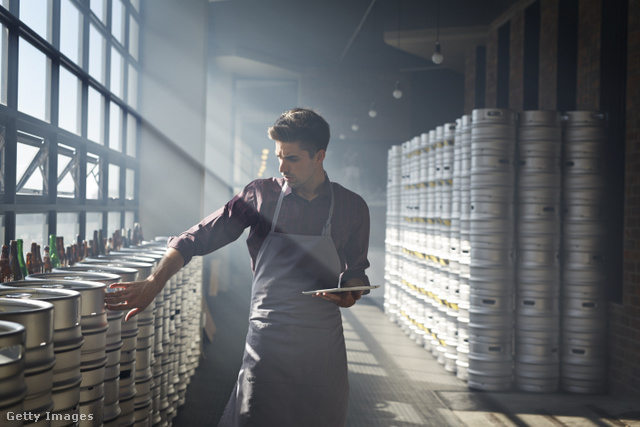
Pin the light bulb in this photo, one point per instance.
(437, 56)
(342, 136)
(397, 93)
(355, 127)
(372, 111)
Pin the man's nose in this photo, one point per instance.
(283, 168)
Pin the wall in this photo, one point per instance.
(584, 78)
(172, 101)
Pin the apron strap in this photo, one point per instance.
(326, 230)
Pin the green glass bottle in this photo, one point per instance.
(53, 254)
(23, 265)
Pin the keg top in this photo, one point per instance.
(97, 268)
(139, 254)
(12, 305)
(75, 285)
(129, 257)
(44, 294)
(116, 262)
(106, 278)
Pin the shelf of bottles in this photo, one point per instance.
(493, 241)
(83, 365)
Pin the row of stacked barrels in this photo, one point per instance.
(493, 248)
(67, 361)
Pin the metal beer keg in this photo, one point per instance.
(39, 358)
(67, 340)
(13, 388)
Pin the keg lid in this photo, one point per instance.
(44, 294)
(106, 278)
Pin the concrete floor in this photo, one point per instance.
(393, 381)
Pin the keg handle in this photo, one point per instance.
(494, 113)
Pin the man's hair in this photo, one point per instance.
(304, 126)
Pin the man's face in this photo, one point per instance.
(297, 168)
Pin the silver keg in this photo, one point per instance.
(93, 357)
(13, 387)
(39, 358)
(67, 340)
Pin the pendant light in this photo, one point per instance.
(437, 56)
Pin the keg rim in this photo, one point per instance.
(52, 294)
(77, 285)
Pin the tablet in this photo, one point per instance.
(347, 289)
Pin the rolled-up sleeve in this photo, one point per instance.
(219, 228)
(357, 246)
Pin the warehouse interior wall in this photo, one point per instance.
(584, 57)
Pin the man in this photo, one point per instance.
(306, 234)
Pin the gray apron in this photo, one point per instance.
(294, 368)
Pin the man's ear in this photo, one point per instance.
(320, 155)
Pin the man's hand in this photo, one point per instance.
(343, 299)
(132, 296)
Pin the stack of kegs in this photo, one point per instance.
(537, 356)
(137, 375)
(13, 388)
(393, 249)
(492, 222)
(463, 180)
(67, 340)
(119, 383)
(93, 357)
(584, 316)
(39, 358)
(450, 224)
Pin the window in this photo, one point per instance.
(116, 73)
(130, 184)
(95, 113)
(34, 71)
(114, 181)
(31, 228)
(32, 164)
(69, 101)
(132, 95)
(129, 220)
(132, 135)
(99, 8)
(68, 227)
(68, 122)
(115, 127)
(70, 31)
(68, 171)
(37, 15)
(113, 222)
(94, 222)
(96, 54)
(94, 189)
(117, 21)
(133, 37)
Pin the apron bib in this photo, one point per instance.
(294, 368)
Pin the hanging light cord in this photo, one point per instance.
(438, 21)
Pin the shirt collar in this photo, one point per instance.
(325, 190)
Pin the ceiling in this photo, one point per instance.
(388, 35)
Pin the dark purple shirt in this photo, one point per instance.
(254, 207)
